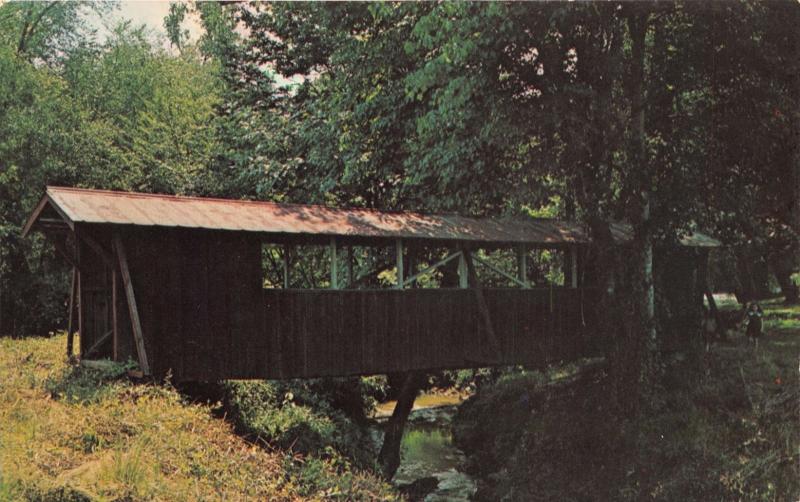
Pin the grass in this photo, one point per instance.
(68, 433)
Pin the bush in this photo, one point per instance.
(302, 416)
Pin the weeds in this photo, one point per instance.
(70, 433)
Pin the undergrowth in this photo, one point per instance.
(726, 429)
(70, 433)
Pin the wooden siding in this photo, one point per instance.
(199, 296)
(327, 333)
(205, 316)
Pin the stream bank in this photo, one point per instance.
(431, 467)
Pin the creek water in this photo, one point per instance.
(427, 448)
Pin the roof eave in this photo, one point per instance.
(34, 217)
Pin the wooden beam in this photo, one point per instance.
(483, 308)
(62, 250)
(334, 264)
(80, 309)
(285, 266)
(114, 317)
(97, 248)
(522, 266)
(350, 274)
(71, 315)
(499, 271)
(100, 341)
(574, 266)
(463, 274)
(433, 267)
(119, 250)
(38, 211)
(399, 251)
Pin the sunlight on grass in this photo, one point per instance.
(72, 433)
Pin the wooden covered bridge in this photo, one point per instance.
(177, 283)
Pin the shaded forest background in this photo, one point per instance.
(673, 116)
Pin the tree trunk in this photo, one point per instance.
(782, 266)
(389, 456)
(753, 275)
(640, 329)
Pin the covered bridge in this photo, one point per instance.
(177, 284)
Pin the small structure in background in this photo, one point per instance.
(177, 283)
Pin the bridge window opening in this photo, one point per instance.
(289, 266)
(341, 265)
(430, 267)
(361, 267)
(337, 265)
(502, 268)
(546, 267)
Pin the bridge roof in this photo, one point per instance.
(77, 205)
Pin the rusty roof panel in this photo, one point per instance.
(127, 208)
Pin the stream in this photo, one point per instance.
(427, 449)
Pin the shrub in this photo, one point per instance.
(300, 416)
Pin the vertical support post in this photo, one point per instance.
(399, 249)
(574, 266)
(463, 274)
(285, 266)
(334, 265)
(522, 265)
(119, 250)
(70, 326)
(114, 329)
(78, 289)
(351, 278)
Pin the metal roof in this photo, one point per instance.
(76, 205)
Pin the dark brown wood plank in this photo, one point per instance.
(132, 308)
(71, 315)
(114, 316)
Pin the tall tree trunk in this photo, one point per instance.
(596, 170)
(642, 330)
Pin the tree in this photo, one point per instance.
(500, 108)
(48, 31)
(121, 115)
(172, 23)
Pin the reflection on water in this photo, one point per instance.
(425, 450)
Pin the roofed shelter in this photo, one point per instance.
(177, 284)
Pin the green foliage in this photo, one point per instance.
(124, 115)
(48, 32)
(723, 428)
(302, 417)
(319, 423)
(74, 434)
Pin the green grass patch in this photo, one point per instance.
(70, 433)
